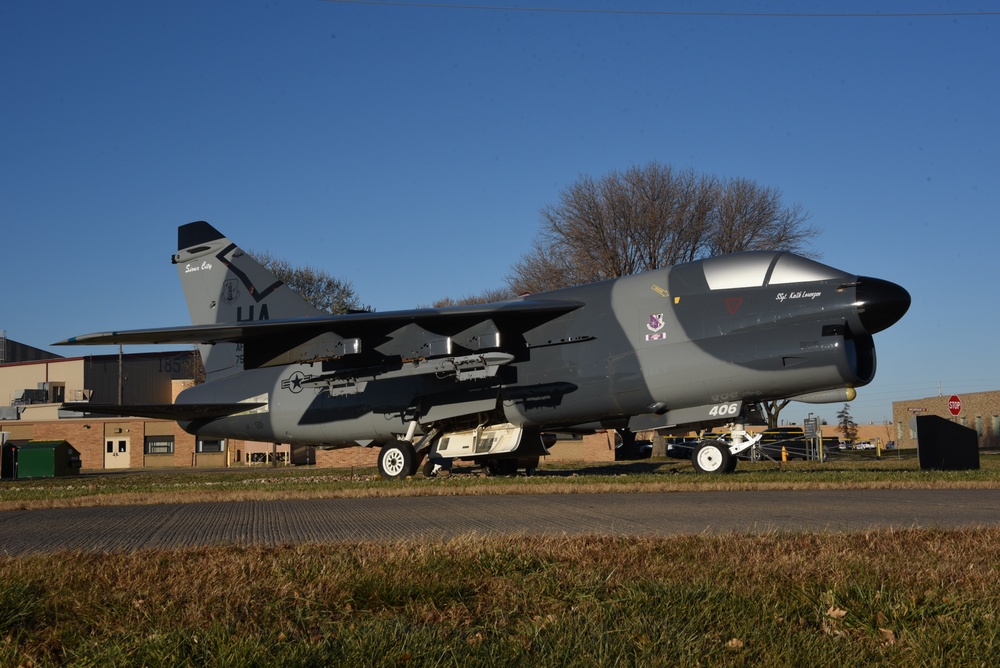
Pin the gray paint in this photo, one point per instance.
(692, 344)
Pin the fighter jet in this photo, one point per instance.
(685, 347)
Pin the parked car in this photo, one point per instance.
(680, 447)
(782, 434)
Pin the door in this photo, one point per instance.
(116, 453)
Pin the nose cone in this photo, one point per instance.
(880, 303)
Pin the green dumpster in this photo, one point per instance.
(45, 459)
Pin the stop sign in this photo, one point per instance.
(955, 404)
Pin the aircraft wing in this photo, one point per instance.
(181, 412)
(404, 333)
(350, 324)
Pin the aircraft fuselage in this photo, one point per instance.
(641, 351)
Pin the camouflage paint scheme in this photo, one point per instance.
(688, 346)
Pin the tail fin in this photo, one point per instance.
(222, 284)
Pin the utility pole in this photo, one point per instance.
(121, 377)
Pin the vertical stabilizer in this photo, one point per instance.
(222, 284)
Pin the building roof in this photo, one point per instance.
(12, 352)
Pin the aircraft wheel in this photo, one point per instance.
(502, 467)
(395, 460)
(418, 462)
(712, 457)
(428, 468)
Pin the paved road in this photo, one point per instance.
(342, 520)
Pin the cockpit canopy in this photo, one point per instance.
(755, 269)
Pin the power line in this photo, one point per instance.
(654, 12)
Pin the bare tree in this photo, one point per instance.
(651, 217)
(748, 216)
(624, 223)
(772, 409)
(484, 297)
(317, 287)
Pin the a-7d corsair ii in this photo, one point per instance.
(684, 347)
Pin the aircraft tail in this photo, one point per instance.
(222, 284)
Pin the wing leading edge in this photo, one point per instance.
(177, 412)
(351, 324)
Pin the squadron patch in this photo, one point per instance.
(655, 324)
(230, 291)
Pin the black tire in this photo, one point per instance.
(418, 462)
(428, 468)
(502, 467)
(396, 460)
(713, 457)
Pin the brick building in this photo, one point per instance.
(976, 410)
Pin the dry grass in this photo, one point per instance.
(887, 597)
(920, 597)
(243, 484)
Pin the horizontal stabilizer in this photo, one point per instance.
(179, 412)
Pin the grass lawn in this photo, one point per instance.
(920, 597)
(859, 471)
(914, 597)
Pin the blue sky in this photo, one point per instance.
(409, 149)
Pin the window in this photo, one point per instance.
(211, 445)
(794, 269)
(159, 445)
(748, 270)
(755, 269)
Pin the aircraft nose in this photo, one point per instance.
(880, 303)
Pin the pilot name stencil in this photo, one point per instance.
(782, 296)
